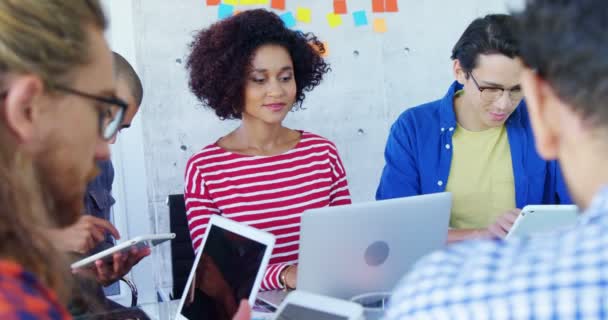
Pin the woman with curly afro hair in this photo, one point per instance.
(251, 67)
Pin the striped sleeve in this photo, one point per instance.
(272, 278)
(339, 194)
(199, 205)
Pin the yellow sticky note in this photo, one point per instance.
(304, 15)
(248, 2)
(264, 2)
(334, 20)
(231, 2)
(380, 25)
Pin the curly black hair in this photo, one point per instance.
(566, 42)
(221, 55)
(494, 33)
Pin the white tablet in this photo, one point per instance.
(543, 218)
(229, 267)
(149, 240)
(301, 305)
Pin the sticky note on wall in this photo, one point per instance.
(224, 11)
(391, 6)
(334, 20)
(248, 2)
(231, 2)
(304, 15)
(360, 18)
(288, 19)
(340, 7)
(278, 4)
(379, 25)
(213, 2)
(325, 52)
(378, 5)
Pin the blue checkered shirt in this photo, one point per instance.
(553, 276)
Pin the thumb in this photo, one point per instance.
(244, 312)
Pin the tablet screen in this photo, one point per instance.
(296, 312)
(225, 274)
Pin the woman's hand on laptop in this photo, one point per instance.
(500, 228)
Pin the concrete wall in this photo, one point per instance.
(375, 77)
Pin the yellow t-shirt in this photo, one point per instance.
(481, 177)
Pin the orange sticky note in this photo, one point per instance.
(391, 6)
(324, 53)
(379, 25)
(340, 7)
(378, 5)
(278, 4)
(213, 2)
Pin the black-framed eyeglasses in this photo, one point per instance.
(491, 94)
(110, 118)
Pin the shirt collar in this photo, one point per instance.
(597, 209)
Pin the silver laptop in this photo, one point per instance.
(368, 247)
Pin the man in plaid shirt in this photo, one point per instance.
(563, 275)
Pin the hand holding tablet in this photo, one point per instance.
(141, 242)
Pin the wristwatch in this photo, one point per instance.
(283, 278)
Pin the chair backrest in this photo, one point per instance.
(182, 254)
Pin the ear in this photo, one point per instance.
(20, 108)
(459, 74)
(538, 96)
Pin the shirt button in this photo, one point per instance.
(451, 129)
(447, 146)
(442, 129)
(440, 183)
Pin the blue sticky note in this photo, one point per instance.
(224, 11)
(288, 19)
(360, 18)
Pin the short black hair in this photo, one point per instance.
(221, 56)
(566, 42)
(124, 70)
(494, 33)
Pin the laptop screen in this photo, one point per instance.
(224, 275)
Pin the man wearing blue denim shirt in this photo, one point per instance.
(560, 275)
(435, 147)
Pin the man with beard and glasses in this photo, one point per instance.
(58, 112)
(93, 232)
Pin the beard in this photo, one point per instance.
(63, 185)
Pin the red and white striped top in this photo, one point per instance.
(266, 192)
